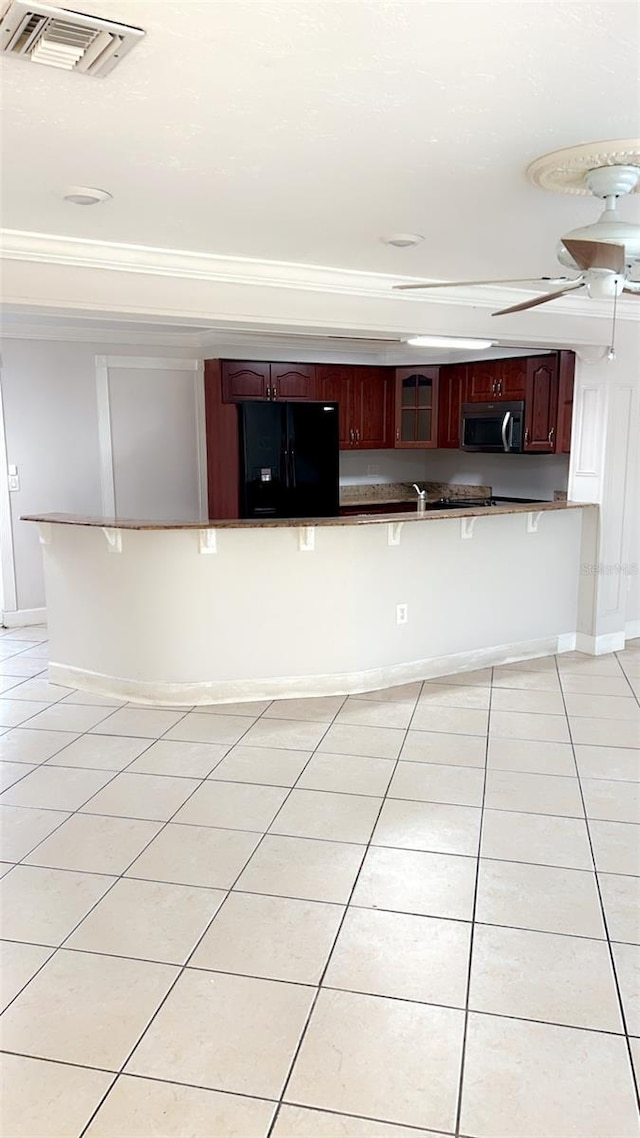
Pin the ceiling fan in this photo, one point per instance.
(606, 252)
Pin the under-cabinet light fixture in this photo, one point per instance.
(448, 342)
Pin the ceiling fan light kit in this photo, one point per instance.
(606, 252)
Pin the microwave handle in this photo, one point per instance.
(505, 423)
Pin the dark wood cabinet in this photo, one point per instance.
(490, 381)
(566, 368)
(244, 380)
(541, 404)
(334, 384)
(452, 387)
(416, 419)
(512, 378)
(249, 380)
(365, 399)
(544, 382)
(372, 402)
(293, 381)
(482, 386)
(223, 461)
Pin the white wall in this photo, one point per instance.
(510, 475)
(50, 406)
(185, 646)
(379, 466)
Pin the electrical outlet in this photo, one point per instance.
(402, 614)
(14, 482)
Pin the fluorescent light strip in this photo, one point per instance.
(448, 342)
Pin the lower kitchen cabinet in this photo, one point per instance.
(541, 405)
(416, 407)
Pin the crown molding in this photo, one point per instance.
(43, 248)
(77, 333)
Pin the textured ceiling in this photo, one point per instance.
(304, 131)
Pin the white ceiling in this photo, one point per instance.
(303, 131)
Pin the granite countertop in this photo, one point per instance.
(377, 493)
(293, 523)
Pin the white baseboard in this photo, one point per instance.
(600, 645)
(632, 630)
(20, 618)
(290, 687)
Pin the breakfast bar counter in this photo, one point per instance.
(219, 611)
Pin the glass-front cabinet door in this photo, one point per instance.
(416, 407)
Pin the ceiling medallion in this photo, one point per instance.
(567, 171)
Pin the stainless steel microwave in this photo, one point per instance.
(496, 427)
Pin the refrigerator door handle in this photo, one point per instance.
(292, 467)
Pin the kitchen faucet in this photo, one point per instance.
(422, 499)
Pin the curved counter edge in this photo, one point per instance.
(282, 612)
(292, 523)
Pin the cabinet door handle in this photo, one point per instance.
(351, 436)
(274, 393)
(397, 434)
(268, 393)
(357, 435)
(550, 435)
(526, 436)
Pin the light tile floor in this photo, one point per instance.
(408, 912)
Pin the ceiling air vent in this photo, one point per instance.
(58, 37)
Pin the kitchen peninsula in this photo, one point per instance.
(212, 612)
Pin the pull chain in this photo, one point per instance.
(611, 354)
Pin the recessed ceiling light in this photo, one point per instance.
(403, 240)
(86, 195)
(448, 342)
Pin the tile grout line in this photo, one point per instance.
(117, 877)
(634, 694)
(201, 782)
(616, 981)
(298, 1048)
(463, 1052)
(182, 968)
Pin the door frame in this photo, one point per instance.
(104, 364)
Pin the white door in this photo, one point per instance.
(152, 438)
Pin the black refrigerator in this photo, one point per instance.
(288, 460)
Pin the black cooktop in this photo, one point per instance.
(460, 503)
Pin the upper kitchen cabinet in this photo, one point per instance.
(334, 383)
(365, 399)
(244, 380)
(489, 381)
(293, 381)
(249, 380)
(541, 404)
(566, 367)
(416, 419)
(373, 408)
(452, 387)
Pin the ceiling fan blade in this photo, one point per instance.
(596, 254)
(462, 284)
(539, 300)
